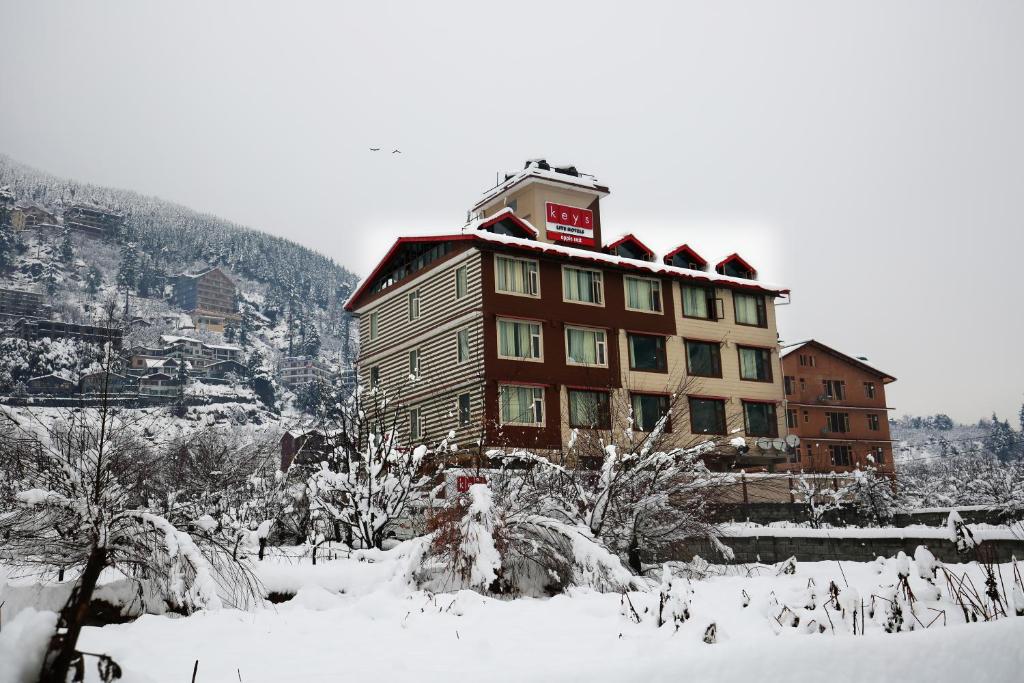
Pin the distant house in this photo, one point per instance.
(294, 371)
(100, 382)
(159, 384)
(306, 447)
(27, 215)
(222, 368)
(210, 296)
(93, 219)
(51, 385)
(31, 330)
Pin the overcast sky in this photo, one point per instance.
(869, 155)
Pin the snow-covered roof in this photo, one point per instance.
(472, 233)
(788, 349)
(533, 170)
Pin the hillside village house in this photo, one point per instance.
(28, 215)
(30, 330)
(295, 371)
(22, 303)
(527, 325)
(93, 219)
(836, 404)
(203, 359)
(210, 296)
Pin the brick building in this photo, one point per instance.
(836, 404)
(525, 326)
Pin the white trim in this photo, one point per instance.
(585, 328)
(534, 261)
(661, 294)
(519, 321)
(601, 304)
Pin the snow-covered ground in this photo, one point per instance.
(358, 619)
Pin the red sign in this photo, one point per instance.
(462, 484)
(570, 225)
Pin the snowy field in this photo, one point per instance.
(358, 619)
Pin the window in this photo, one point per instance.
(462, 343)
(807, 417)
(463, 410)
(750, 309)
(373, 324)
(643, 294)
(699, 302)
(589, 409)
(835, 389)
(874, 423)
(461, 281)
(414, 304)
(583, 286)
(869, 389)
(522, 405)
(760, 419)
(585, 347)
(790, 383)
(806, 360)
(647, 410)
(415, 424)
(519, 340)
(703, 359)
(517, 276)
(792, 421)
(647, 353)
(374, 377)
(840, 454)
(837, 422)
(707, 416)
(878, 453)
(755, 364)
(414, 362)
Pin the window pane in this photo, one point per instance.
(760, 419)
(748, 309)
(707, 416)
(463, 343)
(523, 405)
(582, 285)
(647, 410)
(588, 409)
(460, 282)
(704, 359)
(516, 276)
(518, 339)
(646, 353)
(695, 302)
(643, 295)
(586, 347)
(464, 409)
(755, 364)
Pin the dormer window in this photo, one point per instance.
(734, 266)
(685, 257)
(505, 222)
(630, 247)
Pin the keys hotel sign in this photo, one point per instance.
(570, 225)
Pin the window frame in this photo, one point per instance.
(720, 412)
(604, 343)
(774, 429)
(459, 360)
(536, 264)
(468, 411)
(792, 418)
(663, 356)
(768, 365)
(848, 454)
(374, 325)
(520, 321)
(413, 301)
(667, 407)
(625, 294)
(416, 433)
(374, 377)
(830, 423)
(718, 352)
(870, 390)
(415, 368)
(461, 282)
(600, 273)
(606, 416)
(543, 405)
(788, 385)
(834, 389)
(710, 298)
(762, 309)
(874, 422)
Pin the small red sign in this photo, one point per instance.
(570, 224)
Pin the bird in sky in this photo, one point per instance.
(396, 151)
(375, 149)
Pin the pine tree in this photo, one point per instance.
(229, 333)
(93, 280)
(50, 278)
(311, 346)
(127, 271)
(67, 248)
(7, 246)
(1001, 441)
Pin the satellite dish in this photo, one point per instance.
(764, 444)
(778, 444)
(792, 440)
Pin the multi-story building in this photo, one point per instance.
(22, 303)
(520, 334)
(93, 219)
(294, 371)
(27, 215)
(836, 404)
(201, 357)
(30, 330)
(210, 296)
